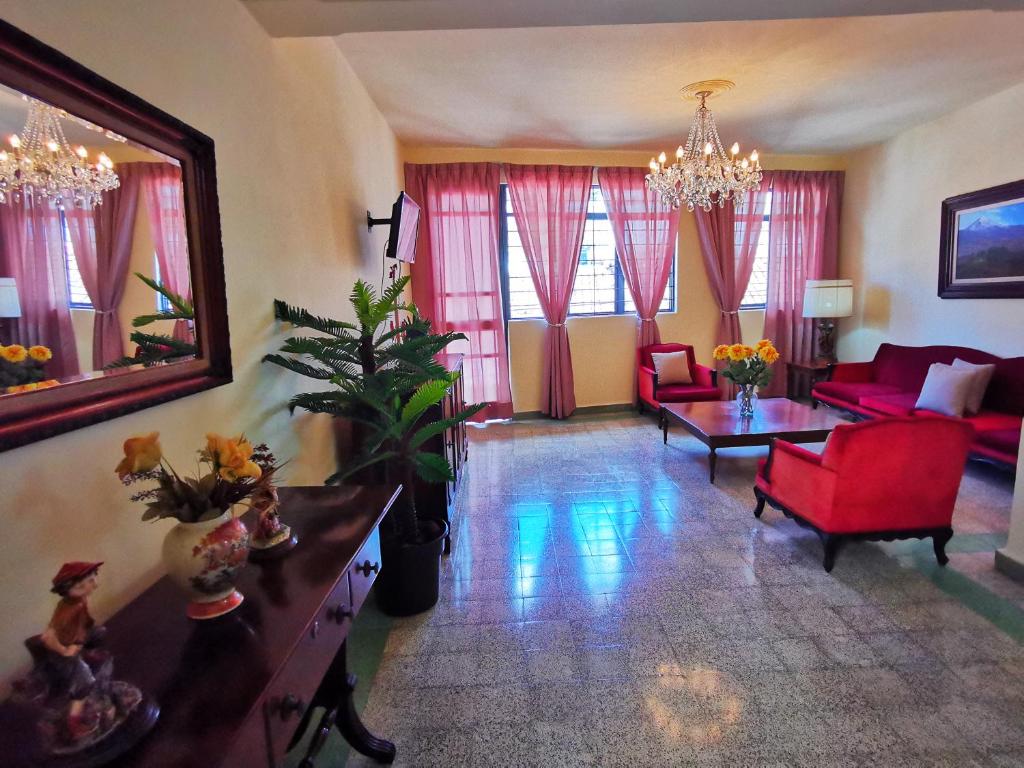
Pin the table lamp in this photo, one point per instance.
(827, 300)
(9, 305)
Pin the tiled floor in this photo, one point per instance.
(605, 605)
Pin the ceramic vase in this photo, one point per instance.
(746, 399)
(203, 558)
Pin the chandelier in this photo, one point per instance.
(42, 165)
(703, 174)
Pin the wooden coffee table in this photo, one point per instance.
(718, 424)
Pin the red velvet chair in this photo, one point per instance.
(650, 393)
(895, 478)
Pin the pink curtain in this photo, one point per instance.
(32, 252)
(728, 243)
(165, 203)
(803, 244)
(455, 279)
(102, 238)
(550, 206)
(645, 232)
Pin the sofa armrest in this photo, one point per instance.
(647, 383)
(705, 376)
(852, 372)
(792, 452)
(797, 480)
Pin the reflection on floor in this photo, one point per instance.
(605, 605)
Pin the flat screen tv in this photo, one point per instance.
(405, 221)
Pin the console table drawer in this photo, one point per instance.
(364, 570)
(292, 690)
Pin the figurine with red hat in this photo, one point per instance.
(71, 679)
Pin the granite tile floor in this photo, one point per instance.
(605, 605)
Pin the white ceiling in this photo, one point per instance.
(319, 18)
(498, 74)
(802, 86)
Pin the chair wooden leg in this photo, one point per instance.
(760, 502)
(939, 542)
(832, 544)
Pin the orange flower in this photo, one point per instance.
(232, 457)
(141, 454)
(721, 352)
(15, 353)
(39, 353)
(769, 354)
(737, 352)
(764, 343)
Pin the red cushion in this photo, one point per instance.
(891, 405)
(907, 367)
(686, 393)
(1004, 440)
(993, 421)
(852, 392)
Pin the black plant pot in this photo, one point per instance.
(410, 575)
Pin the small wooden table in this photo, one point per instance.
(718, 424)
(801, 376)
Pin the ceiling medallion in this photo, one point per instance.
(703, 174)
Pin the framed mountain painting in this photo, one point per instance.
(982, 251)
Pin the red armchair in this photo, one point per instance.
(650, 393)
(895, 478)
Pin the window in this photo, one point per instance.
(756, 296)
(162, 303)
(78, 297)
(599, 288)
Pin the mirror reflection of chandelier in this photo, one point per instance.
(703, 174)
(40, 163)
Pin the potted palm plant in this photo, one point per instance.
(383, 381)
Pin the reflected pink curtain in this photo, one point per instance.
(645, 232)
(550, 206)
(102, 239)
(728, 243)
(31, 251)
(455, 278)
(803, 244)
(164, 194)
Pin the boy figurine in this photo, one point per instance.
(69, 633)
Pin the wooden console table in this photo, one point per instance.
(233, 691)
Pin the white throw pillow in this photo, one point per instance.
(945, 390)
(672, 368)
(982, 376)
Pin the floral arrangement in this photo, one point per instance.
(748, 365)
(21, 368)
(230, 471)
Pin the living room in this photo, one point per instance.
(602, 592)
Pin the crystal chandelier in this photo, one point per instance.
(703, 174)
(41, 164)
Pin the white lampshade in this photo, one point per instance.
(9, 304)
(828, 298)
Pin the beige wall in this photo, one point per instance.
(603, 348)
(890, 231)
(302, 152)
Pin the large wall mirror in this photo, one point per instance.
(111, 271)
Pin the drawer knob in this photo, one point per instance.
(290, 705)
(339, 613)
(366, 569)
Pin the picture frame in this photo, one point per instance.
(981, 253)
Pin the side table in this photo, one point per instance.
(801, 376)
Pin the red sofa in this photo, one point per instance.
(650, 393)
(890, 384)
(894, 478)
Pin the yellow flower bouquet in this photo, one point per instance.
(21, 368)
(748, 365)
(231, 471)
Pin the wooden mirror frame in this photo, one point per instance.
(36, 69)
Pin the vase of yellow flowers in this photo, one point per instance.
(748, 368)
(22, 368)
(209, 544)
